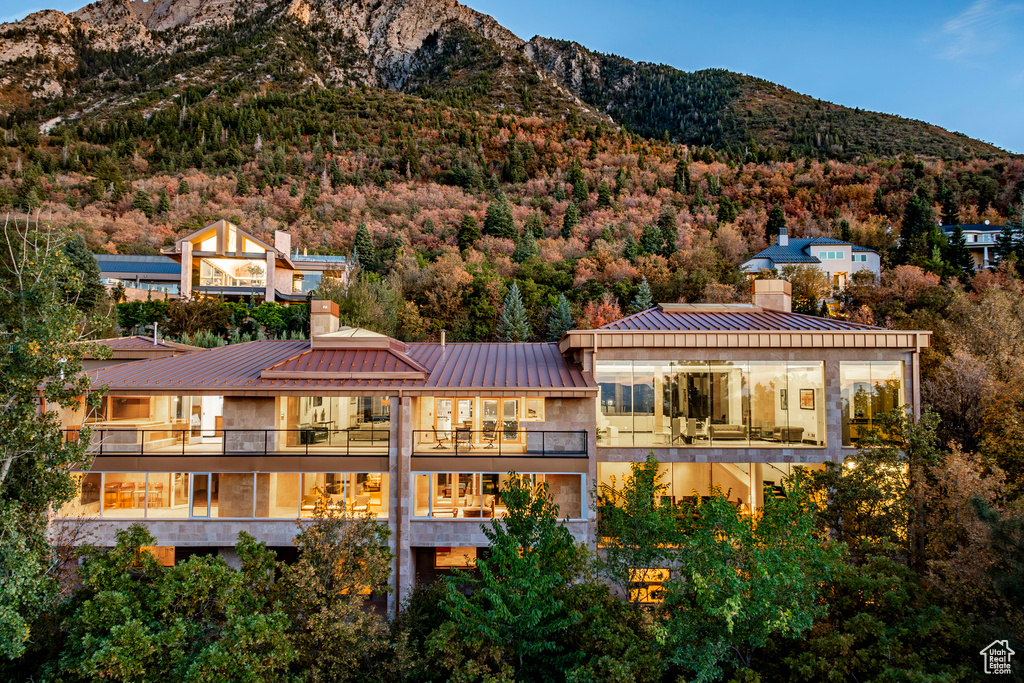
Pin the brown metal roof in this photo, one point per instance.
(271, 367)
(498, 366)
(142, 347)
(753, 319)
(347, 364)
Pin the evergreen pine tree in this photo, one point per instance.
(535, 225)
(163, 202)
(468, 232)
(843, 231)
(630, 249)
(513, 325)
(957, 254)
(620, 181)
(242, 186)
(526, 246)
(581, 192)
(776, 220)
(560, 321)
(498, 220)
(604, 196)
(681, 181)
(643, 299)
(570, 220)
(918, 221)
(950, 202)
(90, 290)
(669, 233)
(183, 187)
(363, 247)
(142, 202)
(824, 311)
(1006, 242)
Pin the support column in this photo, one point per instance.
(403, 569)
(185, 286)
(271, 262)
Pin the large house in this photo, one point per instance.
(223, 260)
(981, 242)
(422, 436)
(837, 259)
(143, 277)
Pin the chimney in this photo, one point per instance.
(323, 318)
(783, 236)
(283, 242)
(773, 295)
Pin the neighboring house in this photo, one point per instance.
(981, 242)
(131, 349)
(422, 436)
(838, 259)
(224, 260)
(143, 277)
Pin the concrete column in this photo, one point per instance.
(833, 410)
(186, 270)
(403, 575)
(271, 262)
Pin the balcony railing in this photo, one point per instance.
(115, 442)
(499, 443)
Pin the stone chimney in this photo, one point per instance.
(323, 318)
(773, 295)
(283, 241)
(783, 236)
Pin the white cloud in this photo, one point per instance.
(979, 29)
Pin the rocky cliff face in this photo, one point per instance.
(388, 33)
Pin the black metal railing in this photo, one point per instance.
(113, 442)
(504, 442)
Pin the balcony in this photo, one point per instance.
(507, 443)
(120, 442)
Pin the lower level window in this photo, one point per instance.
(477, 495)
(226, 495)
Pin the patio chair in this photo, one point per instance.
(441, 440)
(464, 438)
(490, 435)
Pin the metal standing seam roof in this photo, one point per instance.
(140, 343)
(240, 367)
(753, 320)
(143, 265)
(337, 361)
(974, 227)
(797, 250)
(498, 366)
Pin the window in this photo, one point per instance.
(245, 495)
(477, 495)
(129, 408)
(745, 485)
(868, 390)
(711, 403)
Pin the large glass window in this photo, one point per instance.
(244, 495)
(471, 495)
(358, 423)
(745, 485)
(232, 272)
(869, 389)
(705, 403)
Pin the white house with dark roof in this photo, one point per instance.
(981, 241)
(838, 259)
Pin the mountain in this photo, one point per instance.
(118, 53)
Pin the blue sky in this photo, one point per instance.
(958, 64)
